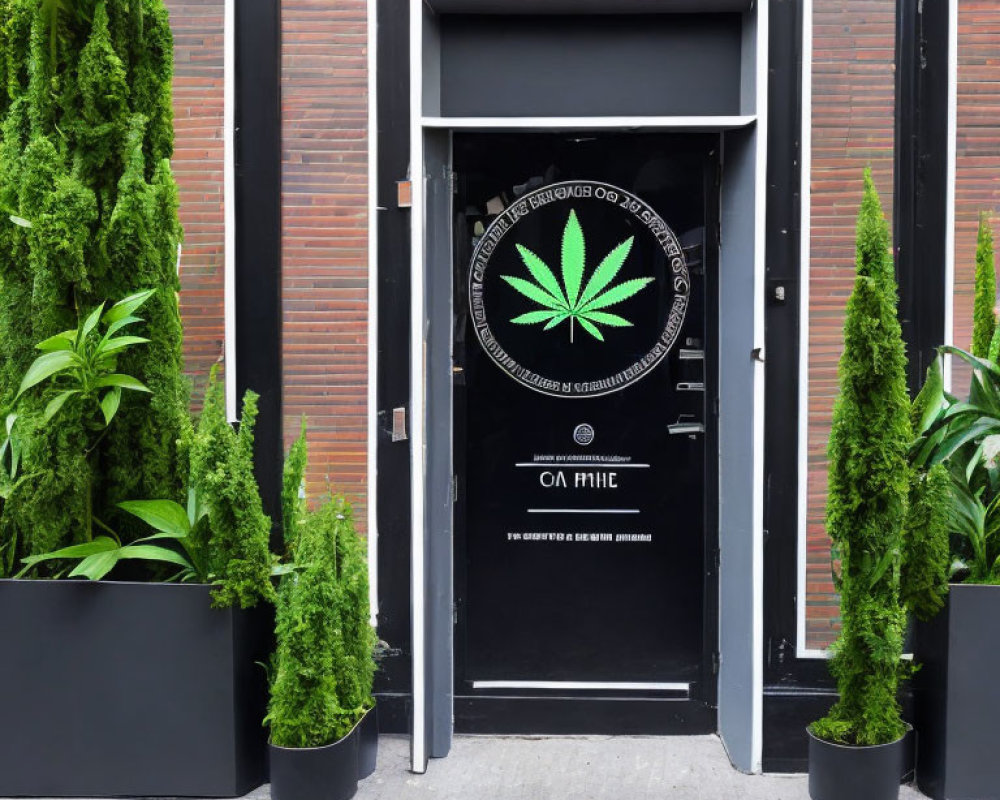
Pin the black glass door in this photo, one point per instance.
(583, 381)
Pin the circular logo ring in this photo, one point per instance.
(556, 302)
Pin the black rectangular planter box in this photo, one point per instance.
(111, 689)
(957, 697)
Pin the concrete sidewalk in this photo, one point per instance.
(575, 768)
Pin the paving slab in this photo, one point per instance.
(574, 768)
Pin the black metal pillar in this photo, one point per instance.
(393, 682)
(258, 232)
(922, 185)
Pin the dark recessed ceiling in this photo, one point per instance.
(586, 6)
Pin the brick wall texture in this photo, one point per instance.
(325, 246)
(852, 127)
(978, 154)
(197, 164)
(325, 259)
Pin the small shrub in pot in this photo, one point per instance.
(323, 666)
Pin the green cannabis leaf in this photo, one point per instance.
(571, 300)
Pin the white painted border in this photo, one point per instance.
(952, 167)
(760, 266)
(713, 123)
(805, 258)
(229, 204)
(610, 686)
(418, 611)
(373, 228)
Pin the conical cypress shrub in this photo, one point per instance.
(868, 486)
(984, 317)
(88, 213)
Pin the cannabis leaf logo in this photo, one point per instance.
(571, 300)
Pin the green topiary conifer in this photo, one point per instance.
(88, 213)
(323, 665)
(984, 317)
(238, 532)
(868, 487)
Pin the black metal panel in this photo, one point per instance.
(258, 234)
(393, 458)
(590, 66)
(956, 698)
(558, 716)
(787, 713)
(394, 712)
(124, 689)
(587, 6)
(921, 177)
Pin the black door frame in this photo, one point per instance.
(493, 711)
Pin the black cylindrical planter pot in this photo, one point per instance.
(315, 773)
(368, 744)
(842, 772)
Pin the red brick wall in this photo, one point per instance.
(325, 198)
(852, 127)
(978, 163)
(198, 164)
(325, 266)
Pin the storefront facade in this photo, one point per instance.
(561, 258)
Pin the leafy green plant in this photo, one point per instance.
(95, 559)
(984, 316)
(88, 211)
(868, 487)
(964, 436)
(80, 366)
(323, 664)
(572, 300)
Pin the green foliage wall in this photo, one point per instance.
(868, 487)
(323, 666)
(85, 138)
(984, 318)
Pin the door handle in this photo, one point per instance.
(681, 428)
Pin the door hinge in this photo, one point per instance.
(715, 663)
(454, 614)
(454, 488)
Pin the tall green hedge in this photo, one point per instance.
(88, 213)
(868, 488)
